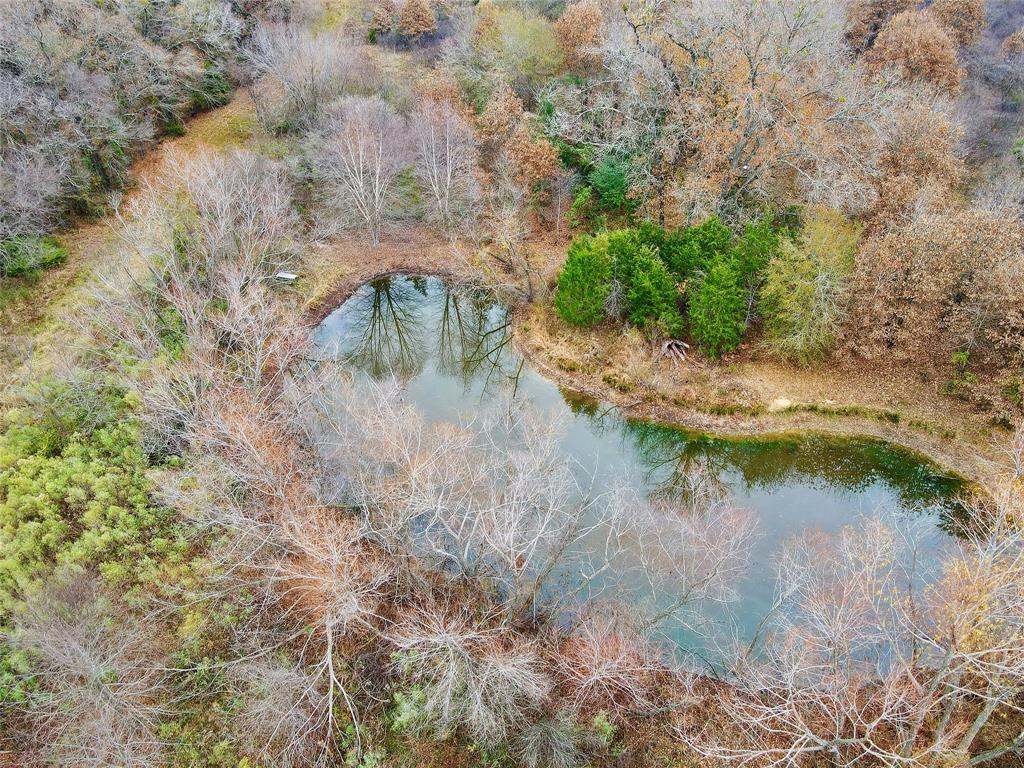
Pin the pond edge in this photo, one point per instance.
(951, 455)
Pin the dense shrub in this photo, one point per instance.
(300, 72)
(759, 243)
(73, 488)
(717, 308)
(646, 263)
(584, 208)
(610, 180)
(624, 248)
(698, 247)
(501, 45)
(653, 298)
(120, 74)
(585, 282)
(662, 240)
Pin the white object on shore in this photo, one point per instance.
(287, 277)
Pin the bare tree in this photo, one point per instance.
(696, 556)
(472, 676)
(495, 501)
(740, 94)
(508, 225)
(245, 208)
(300, 72)
(361, 147)
(282, 719)
(1016, 450)
(95, 691)
(446, 162)
(215, 238)
(553, 742)
(82, 93)
(868, 663)
(607, 663)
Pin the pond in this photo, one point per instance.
(453, 351)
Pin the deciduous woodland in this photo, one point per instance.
(219, 549)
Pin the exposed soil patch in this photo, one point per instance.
(331, 272)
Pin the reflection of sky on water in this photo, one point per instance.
(452, 351)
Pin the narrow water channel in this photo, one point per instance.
(453, 351)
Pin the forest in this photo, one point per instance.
(497, 384)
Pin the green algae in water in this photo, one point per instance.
(768, 462)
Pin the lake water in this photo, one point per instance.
(453, 351)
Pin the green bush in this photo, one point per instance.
(515, 46)
(698, 247)
(24, 255)
(610, 180)
(666, 243)
(407, 712)
(585, 282)
(830, 237)
(653, 298)
(752, 252)
(213, 88)
(582, 210)
(962, 380)
(804, 294)
(717, 308)
(623, 249)
(75, 492)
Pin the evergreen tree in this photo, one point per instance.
(753, 251)
(585, 282)
(717, 309)
(610, 179)
(697, 247)
(653, 298)
(623, 249)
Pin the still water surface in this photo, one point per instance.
(452, 349)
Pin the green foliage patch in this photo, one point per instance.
(657, 279)
(585, 282)
(717, 308)
(24, 255)
(804, 293)
(653, 297)
(74, 490)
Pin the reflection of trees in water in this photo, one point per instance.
(472, 337)
(767, 463)
(390, 331)
(393, 329)
(678, 469)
